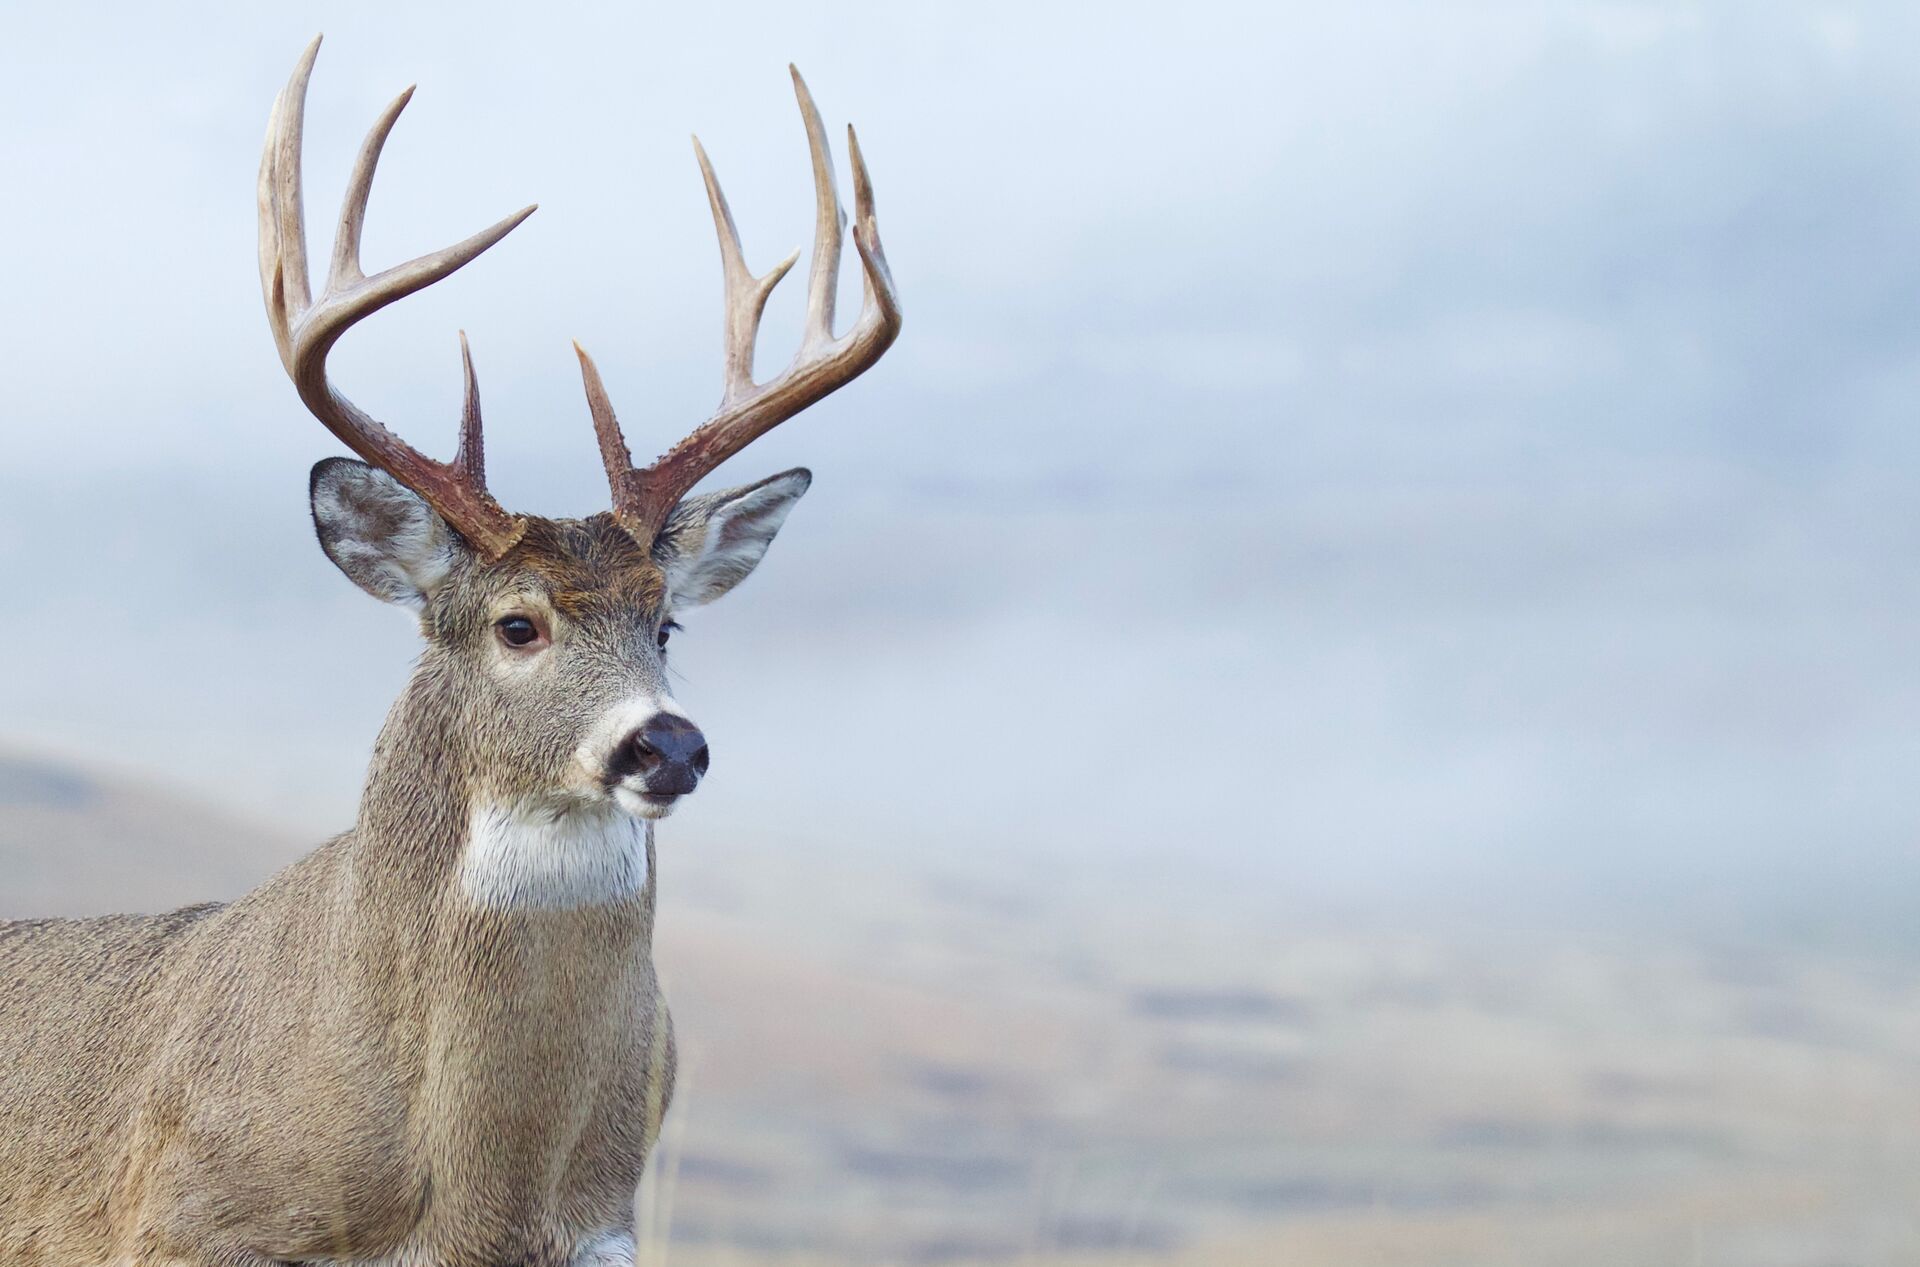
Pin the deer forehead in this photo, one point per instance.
(582, 568)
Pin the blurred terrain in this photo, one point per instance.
(965, 1063)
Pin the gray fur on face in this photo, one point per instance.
(527, 720)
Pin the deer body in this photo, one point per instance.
(483, 1094)
(362, 1058)
(438, 1040)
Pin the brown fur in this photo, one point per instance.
(353, 1062)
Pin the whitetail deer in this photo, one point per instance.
(437, 1039)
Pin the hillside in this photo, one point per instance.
(78, 842)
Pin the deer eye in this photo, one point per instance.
(666, 632)
(517, 631)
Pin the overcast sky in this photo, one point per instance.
(1357, 450)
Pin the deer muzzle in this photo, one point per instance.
(667, 755)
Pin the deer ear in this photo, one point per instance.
(712, 541)
(382, 534)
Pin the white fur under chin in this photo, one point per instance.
(535, 857)
(609, 1249)
(629, 799)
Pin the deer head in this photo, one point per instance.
(551, 633)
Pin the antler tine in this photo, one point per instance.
(283, 230)
(829, 223)
(613, 445)
(746, 294)
(642, 499)
(345, 269)
(470, 459)
(880, 305)
(305, 330)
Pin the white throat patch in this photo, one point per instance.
(522, 857)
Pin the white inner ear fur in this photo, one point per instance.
(382, 535)
(715, 550)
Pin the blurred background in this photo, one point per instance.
(1344, 696)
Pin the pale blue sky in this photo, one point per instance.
(1374, 450)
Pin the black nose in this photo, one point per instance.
(669, 753)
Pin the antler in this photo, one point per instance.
(642, 499)
(306, 330)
